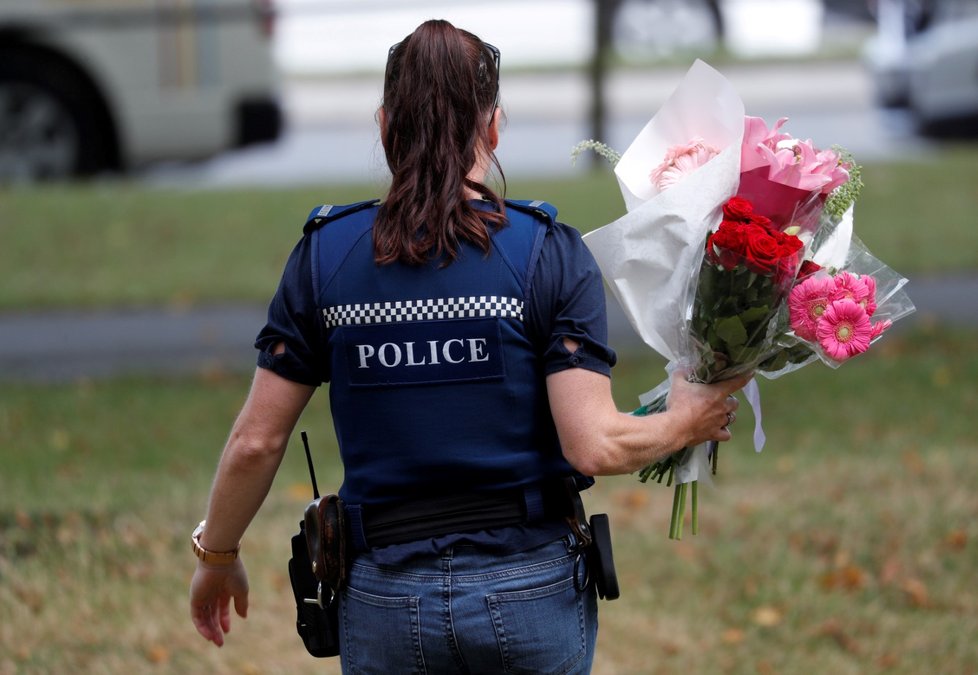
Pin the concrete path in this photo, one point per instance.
(67, 345)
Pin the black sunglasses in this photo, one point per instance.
(493, 52)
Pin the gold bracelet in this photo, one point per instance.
(211, 557)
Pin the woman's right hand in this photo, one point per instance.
(704, 412)
(211, 591)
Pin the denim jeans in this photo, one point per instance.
(467, 611)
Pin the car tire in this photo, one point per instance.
(50, 122)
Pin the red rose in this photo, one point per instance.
(788, 243)
(762, 251)
(738, 208)
(726, 246)
(789, 246)
(761, 221)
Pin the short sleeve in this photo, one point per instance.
(294, 321)
(566, 300)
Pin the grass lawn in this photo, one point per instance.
(848, 546)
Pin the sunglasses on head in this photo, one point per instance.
(493, 52)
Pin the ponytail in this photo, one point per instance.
(440, 94)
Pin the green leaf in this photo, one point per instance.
(731, 330)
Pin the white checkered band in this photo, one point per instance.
(471, 307)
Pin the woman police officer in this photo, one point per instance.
(464, 340)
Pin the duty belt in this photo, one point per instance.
(386, 524)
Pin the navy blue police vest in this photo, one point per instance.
(435, 385)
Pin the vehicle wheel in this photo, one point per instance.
(49, 125)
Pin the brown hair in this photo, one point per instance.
(440, 91)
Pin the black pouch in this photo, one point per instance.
(594, 534)
(600, 559)
(316, 606)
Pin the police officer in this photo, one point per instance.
(464, 340)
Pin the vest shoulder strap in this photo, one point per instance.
(525, 254)
(535, 207)
(327, 213)
(336, 242)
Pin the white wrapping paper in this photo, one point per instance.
(649, 255)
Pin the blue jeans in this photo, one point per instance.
(466, 611)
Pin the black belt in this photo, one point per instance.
(388, 524)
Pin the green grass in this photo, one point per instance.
(847, 546)
(116, 244)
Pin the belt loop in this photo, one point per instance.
(533, 501)
(355, 517)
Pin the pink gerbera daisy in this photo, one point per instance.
(844, 329)
(806, 304)
(869, 302)
(855, 288)
(681, 160)
(879, 327)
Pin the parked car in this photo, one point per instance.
(89, 86)
(942, 72)
(924, 57)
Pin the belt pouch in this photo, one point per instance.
(317, 620)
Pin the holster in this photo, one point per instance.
(594, 536)
(326, 538)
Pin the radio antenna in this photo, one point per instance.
(312, 471)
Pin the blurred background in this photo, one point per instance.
(157, 159)
(93, 86)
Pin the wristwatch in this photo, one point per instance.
(211, 557)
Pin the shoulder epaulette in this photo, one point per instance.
(326, 213)
(547, 210)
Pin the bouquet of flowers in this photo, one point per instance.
(737, 255)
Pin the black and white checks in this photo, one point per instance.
(473, 306)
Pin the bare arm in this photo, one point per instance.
(244, 475)
(598, 440)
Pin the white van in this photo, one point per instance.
(89, 86)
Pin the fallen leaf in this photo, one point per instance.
(767, 616)
(634, 500)
(956, 540)
(847, 577)
(916, 592)
(157, 654)
(732, 636)
(833, 629)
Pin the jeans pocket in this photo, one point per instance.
(540, 630)
(377, 633)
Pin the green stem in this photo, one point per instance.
(695, 503)
(682, 510)
(673, 522)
